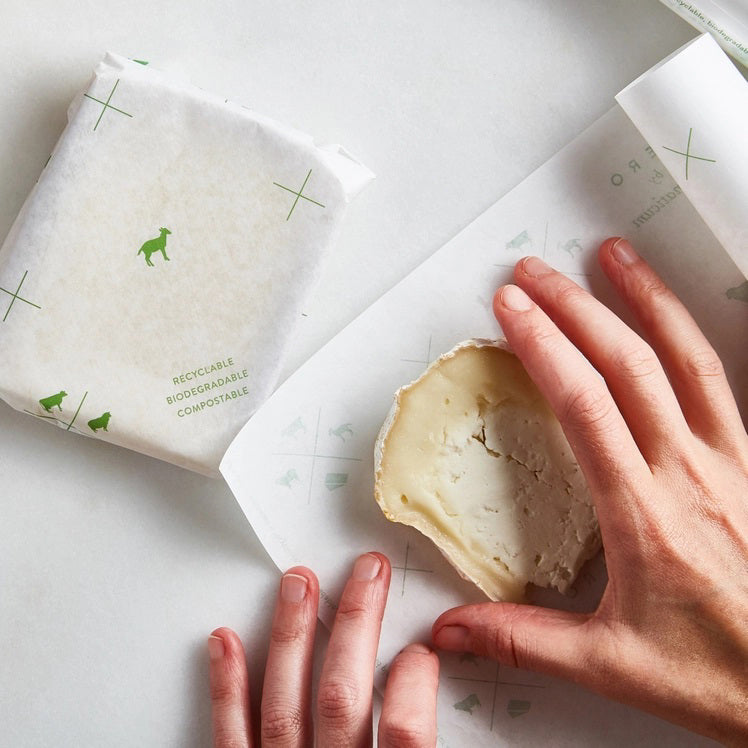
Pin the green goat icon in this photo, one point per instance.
(344, 428)
(155, 245)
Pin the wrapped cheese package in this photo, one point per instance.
(154, 275)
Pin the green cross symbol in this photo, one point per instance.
(405, 569)
(688, 153)
(16, 296)
(106, 104)
(70, 425)
(298, 194)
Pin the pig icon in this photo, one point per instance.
(53, 401)
(100, 423)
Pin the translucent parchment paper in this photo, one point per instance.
(303, 468)
(150, 283)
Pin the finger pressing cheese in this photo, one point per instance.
(472, 456)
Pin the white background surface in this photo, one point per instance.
(114, 567)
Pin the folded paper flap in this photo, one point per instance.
(692, 109)
(725, 20)
(354, 175)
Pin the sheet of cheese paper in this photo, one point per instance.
(692, 108)
(302, 468)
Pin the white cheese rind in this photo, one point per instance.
(472, 456)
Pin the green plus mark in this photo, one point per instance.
(15, 296)
(688, 153)
(106, 104)
(298, 194)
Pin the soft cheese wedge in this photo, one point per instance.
(472, 456)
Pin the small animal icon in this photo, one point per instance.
(155, 245)
(100, 423)
(517, 707)
(344, 428)
(519, 241)
(740, 293)
(572, 246)
(335, 480)
(288, 478)
(468, 704)
(294, 428)
(469, 657)
(53, 401)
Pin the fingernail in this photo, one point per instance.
(293, 588)
(454, 638)
(216, 647)
(417, 648)
(514, 298)
(366, 568)
(623, 252)
(535, 267)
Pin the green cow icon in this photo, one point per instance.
(100, 423)
(53, 401)
(155, 245)
(468, 704)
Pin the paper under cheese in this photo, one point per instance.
(152, 280)
(472, 456)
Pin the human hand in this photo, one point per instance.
(665, 454)
(343, 708)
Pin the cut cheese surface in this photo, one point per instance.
(473, 457)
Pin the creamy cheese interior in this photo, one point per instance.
(475, 459)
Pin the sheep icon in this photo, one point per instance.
(53, 401)
(155, 245)
(100, 423)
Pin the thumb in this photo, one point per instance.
(543, 639)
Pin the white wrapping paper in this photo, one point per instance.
(150, 283)
(303, 468)
(725, 20)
